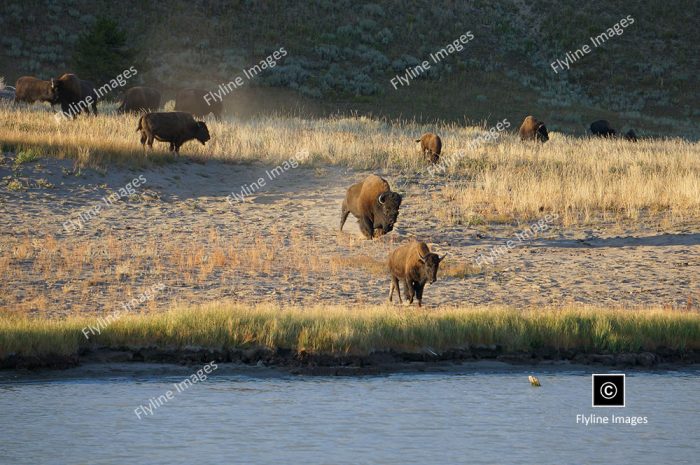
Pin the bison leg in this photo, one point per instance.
(65, 109)
(143, 139)
(395, 285)
(150, 140)
(366, 227)
(419, 293)
(344, 212)
(408, 290)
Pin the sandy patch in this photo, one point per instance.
(183, 229)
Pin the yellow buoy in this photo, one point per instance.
(534, 381)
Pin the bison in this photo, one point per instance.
(601, 128)
(631, 136)
(374, 205)
(192, 101)
(175, 127)
(140, 99)
(68, 92)
(30, 89)
(415, 265)
(430, 146)
(533, 129)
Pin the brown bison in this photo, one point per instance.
(193, 101)
(631, 136)
(175, 127)
(430, 146)
(30, 89)
(140, 99)
(415, 265)
(533, 129)
(374, 205)
(601, 128)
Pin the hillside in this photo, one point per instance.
(342, 56)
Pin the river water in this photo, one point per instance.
(478, 414)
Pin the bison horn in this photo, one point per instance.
(441, 258)
(381, 198)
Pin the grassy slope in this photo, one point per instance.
(647, 78)
(359, 330)
(502, 179)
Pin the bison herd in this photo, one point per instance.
(371, 201)
(376, 208)
(76, 95)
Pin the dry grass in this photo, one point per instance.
(48, 275)
(580, 179)
(361, 330)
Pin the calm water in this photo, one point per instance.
(480, 415)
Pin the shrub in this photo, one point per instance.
(102, 53)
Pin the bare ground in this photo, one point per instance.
(282, 244)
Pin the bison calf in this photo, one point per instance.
(415, 265)
(30, 89)
(374, 205)
(430, 146)
(533, 129)
(174, 127)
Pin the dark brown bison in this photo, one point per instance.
(193, 101)
(175, 127)
(631, 136)
(601, 128)
(374, 205)
(30, 89)
(68, 92)
(415, 265)
(533, 129)
(430, 146)
(87, 89)
(140, 99)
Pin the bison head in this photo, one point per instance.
(542, 134)
(52, 93)
(429, 266)
(631, 136)
(202, 132)
(386, 211)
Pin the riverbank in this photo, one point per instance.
(355, 339)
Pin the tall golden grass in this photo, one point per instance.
(360, 330)
(581, 179)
